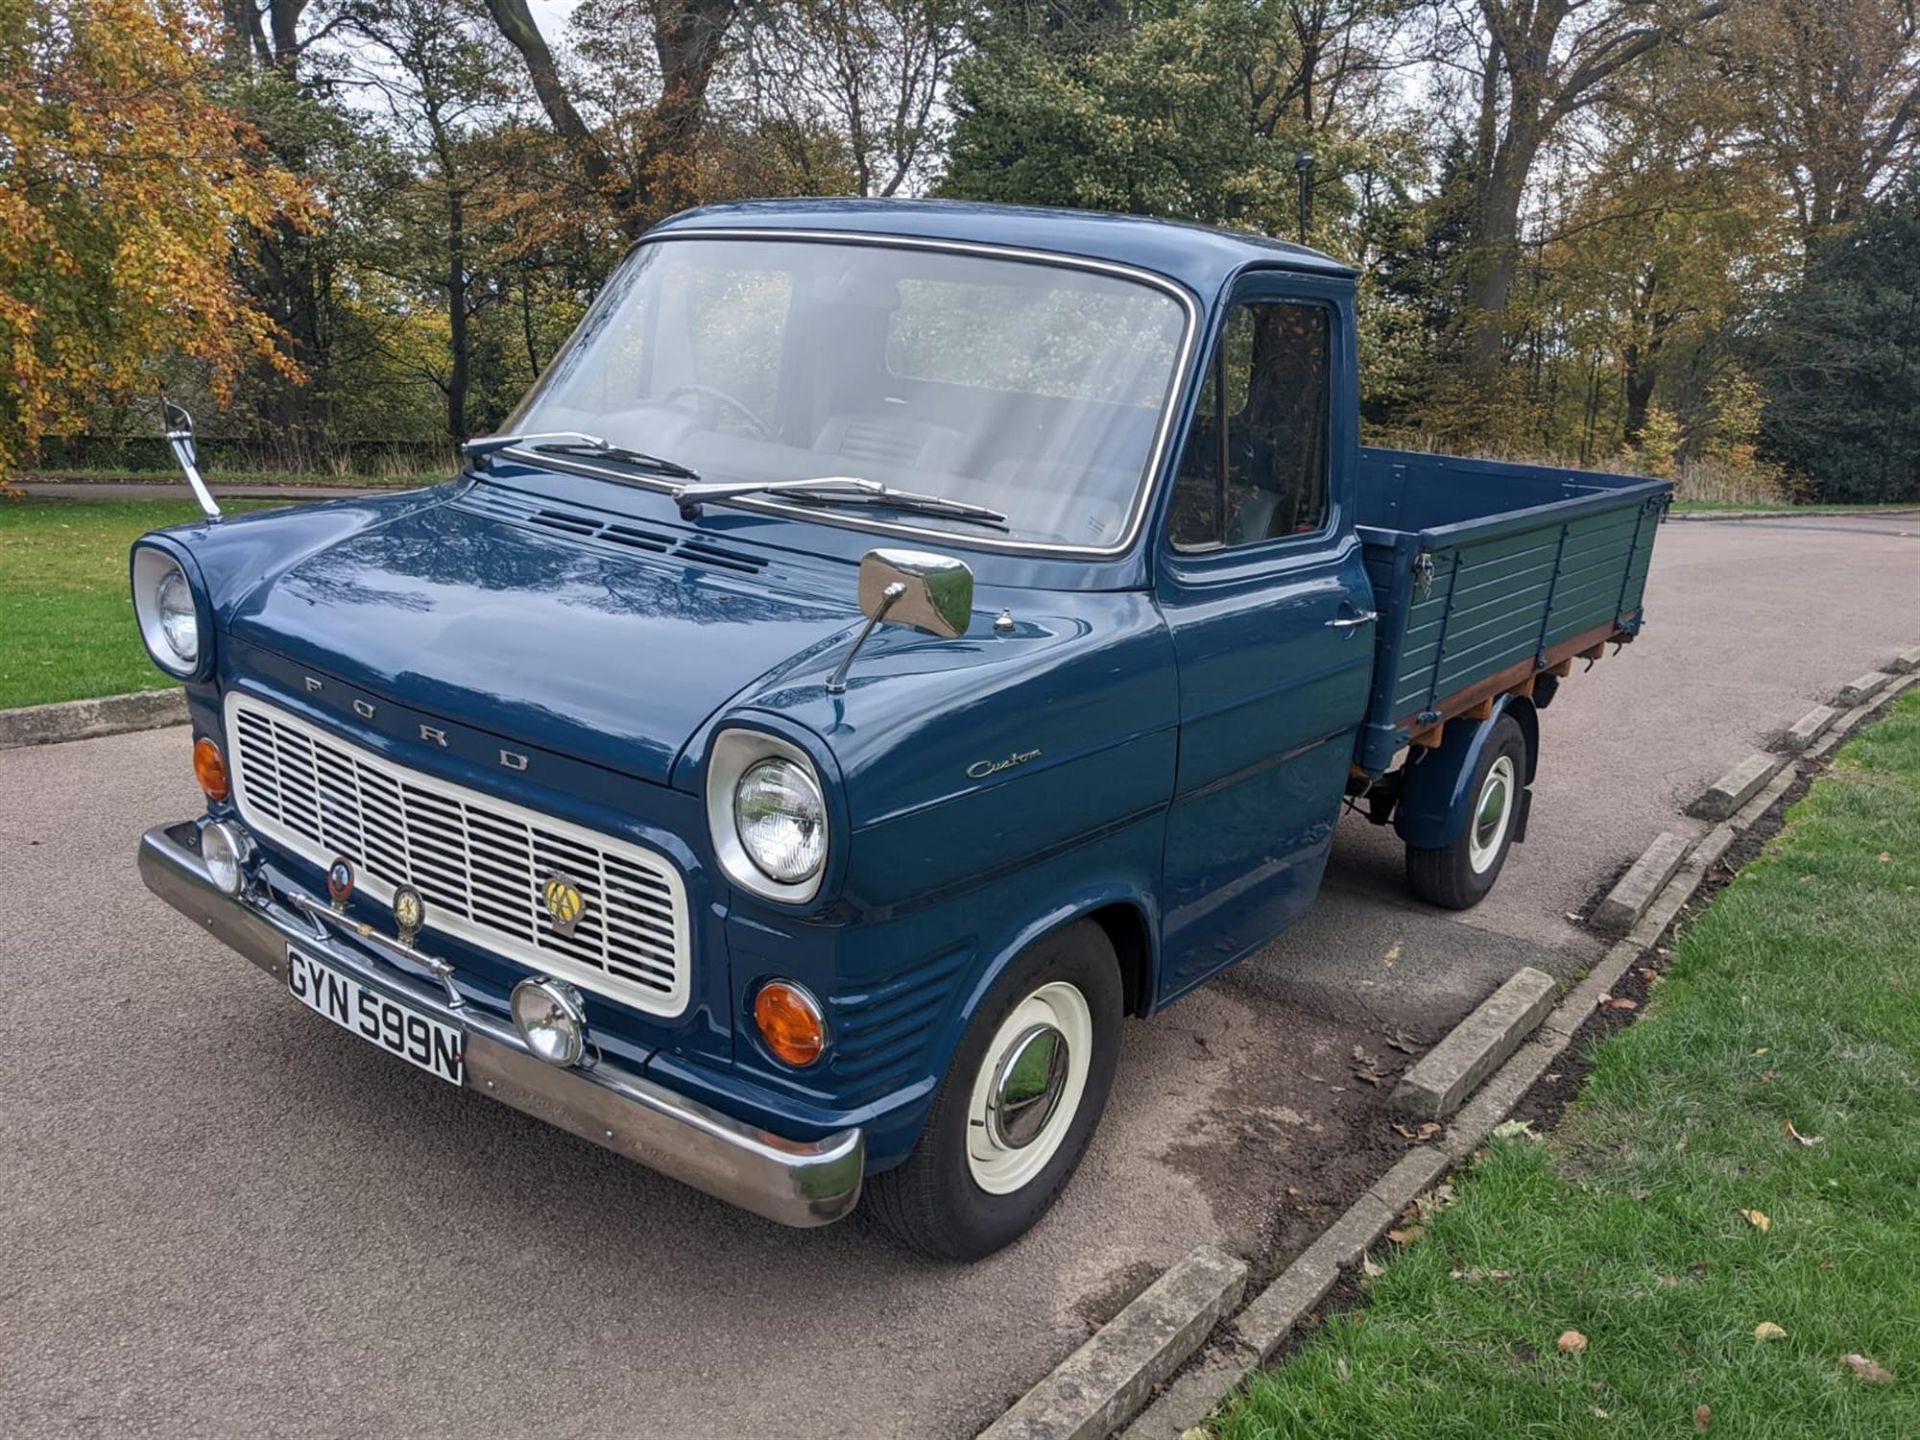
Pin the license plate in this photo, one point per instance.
(399, 1029)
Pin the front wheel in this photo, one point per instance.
(1459, 875)
(1018, 1106)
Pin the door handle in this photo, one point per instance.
(1365, 617)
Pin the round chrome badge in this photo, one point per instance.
(409, 913)
(339, 882)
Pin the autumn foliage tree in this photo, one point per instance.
(126, 190)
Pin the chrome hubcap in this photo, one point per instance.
(1491, 815)
(1027, 1087)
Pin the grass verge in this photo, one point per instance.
(63, 597)
(1671, 1215)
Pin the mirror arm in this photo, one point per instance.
(837, 684)
(180, 441)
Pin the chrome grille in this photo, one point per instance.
(481, 863)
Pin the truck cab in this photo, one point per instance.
(892, 645)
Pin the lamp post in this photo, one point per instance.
(1303, 171)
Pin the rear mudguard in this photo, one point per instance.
(1434, 801)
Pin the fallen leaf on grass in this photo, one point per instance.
(1867, 1370)
(1406, 1236)
(1697, 1269)
(1762, 1050)
(1668, 1279)
(1572, 1342)
(1514, 1130)
(1757, 1219)
(1786, 1125)
(1703, 1418)
(1340, 1367)
(1621, 1002)
(1370, 1269)
(1884, 857)
(1598, 1413)
(1767, 1330)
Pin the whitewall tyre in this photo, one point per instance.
(1019, 1103)
(1459, 875)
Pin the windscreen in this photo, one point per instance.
(1035, 389)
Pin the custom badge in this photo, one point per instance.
(339, 882)
(409, 913)
(565, 903)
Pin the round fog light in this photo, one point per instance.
(225, 848)
(552, 1019)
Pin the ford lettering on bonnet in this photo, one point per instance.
(893, 646)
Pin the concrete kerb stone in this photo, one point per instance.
(1500, 1094)
(1867, 685)
(1905, 663)
(1102, 1384)
(1809, 727)
(1272, 1314)
(1832, 740)
(84, 719)
(1194, 1395)
(1582, 1000)
(1629, 899)
(1443, 1078)
(1733, 789)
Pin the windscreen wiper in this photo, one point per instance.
(578, 442)
(836, 490)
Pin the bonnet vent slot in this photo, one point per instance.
(582, 525)
(707, 553)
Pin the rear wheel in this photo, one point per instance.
(1018, 1106)
(1459, 875)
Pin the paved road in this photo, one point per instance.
(177, 490)
(221, 1216)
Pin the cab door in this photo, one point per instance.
(1260, 578)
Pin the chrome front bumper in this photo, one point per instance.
(794, 1182)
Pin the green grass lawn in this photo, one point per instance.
(63, 597)
(1795, 996)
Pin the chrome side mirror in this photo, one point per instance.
(935, 594)
(910, 587)
(187, 454)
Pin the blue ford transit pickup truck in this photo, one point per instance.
(893, 644)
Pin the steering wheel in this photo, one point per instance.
(746, 412)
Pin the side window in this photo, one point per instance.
(1255, 463)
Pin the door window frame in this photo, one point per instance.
(1227, 562)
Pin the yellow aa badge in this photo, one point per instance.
(565, 903)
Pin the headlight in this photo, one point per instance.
(169, 615)
(767, 815)
(781, 819)
(179, 626)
